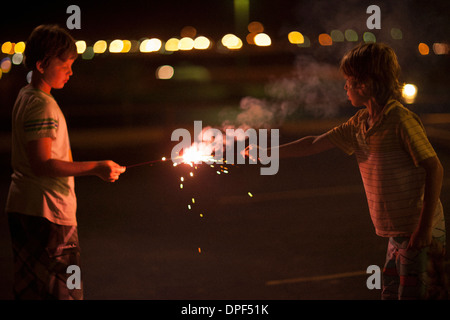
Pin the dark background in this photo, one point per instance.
(139, 240)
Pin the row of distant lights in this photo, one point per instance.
(189, 41)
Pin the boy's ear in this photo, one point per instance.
(39, 66)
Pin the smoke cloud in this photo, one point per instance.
(313, 89)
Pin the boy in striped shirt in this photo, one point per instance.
(401, 172)
(41, 202)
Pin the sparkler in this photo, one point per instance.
(193, 156)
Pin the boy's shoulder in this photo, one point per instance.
(35, 97)
(397, 112)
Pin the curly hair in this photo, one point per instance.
(47, 42)
(375, 65)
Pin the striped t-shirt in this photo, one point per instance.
(37, 115)
(388, 155)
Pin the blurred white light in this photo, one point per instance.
(201, 43)
(150, 45)
(17, 58)
(81, 46)
(116, 46)
(186, 43)
(263, 40)
(231, 41)
(409, 93)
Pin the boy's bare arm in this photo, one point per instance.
(433, 185)
(303, 147)
(306, 146)
(39, 154)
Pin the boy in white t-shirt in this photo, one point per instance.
(41, 203)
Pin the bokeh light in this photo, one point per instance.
(441, 48)
(100, 46)
(296, 37)
(150, 45)
(351, 35)
(172, 44)
(325, 39)
(396, 34)
(19, 47)
(186, 43)
(5, 65)
(202, 43)
(263, 40)
(17, 58)
(81, 46)
(255, 27)
(409, 93)
(369, 37)
(231, 41)
(337, 36)
(116, 46)
(8, 47)
(165, 72)
(423, 49)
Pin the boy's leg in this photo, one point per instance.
(422, 274)
(42, 251)
(391, 280)
(437, 280)
(412, 268)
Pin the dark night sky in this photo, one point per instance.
(137, 19)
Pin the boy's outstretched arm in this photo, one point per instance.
(303, 147)
(433, 185)
(306, 146)
(39, 154)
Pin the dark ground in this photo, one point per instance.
(305, 234)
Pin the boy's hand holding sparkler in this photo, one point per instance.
(108, 170)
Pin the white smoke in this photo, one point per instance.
(314, 88)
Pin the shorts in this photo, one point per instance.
(415, 274)
(42, 252)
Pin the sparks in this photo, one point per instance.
(198, 152)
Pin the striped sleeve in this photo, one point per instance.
(40, 121)
(342, 135)
(415, 139)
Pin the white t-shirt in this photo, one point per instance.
(37, 115)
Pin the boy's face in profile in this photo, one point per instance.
(355, 92)
(57, 73)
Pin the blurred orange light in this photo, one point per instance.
(325, 39)
(126, 46)
(423, 49)
(296, 37)
(8, 48)
(19, 47)
(172, 44)
(188, 31)
(255, 27)
(100, 46)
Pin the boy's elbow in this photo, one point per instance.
(433, 166)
